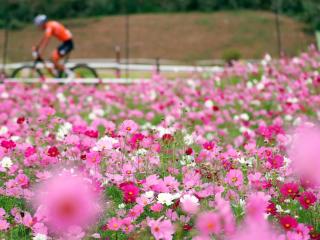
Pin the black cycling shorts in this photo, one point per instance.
(65, 48)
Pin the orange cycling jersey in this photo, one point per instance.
(57, 30)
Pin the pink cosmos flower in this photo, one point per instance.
(234, 177)
(68, 199)
(128, 169)
(157, 207)
(114, 224)
(126, 225)
(93, 158)
(135, 212)
(208, 223)
(22, 180)
(128, 127)
(4, 225)
(161, 229)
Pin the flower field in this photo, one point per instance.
(232, 157)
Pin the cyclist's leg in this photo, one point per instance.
(56, 60)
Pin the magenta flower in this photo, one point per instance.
(53, 152)
(130, 191)
(288, 222)
(307, 199)
(276, 161)
(30, 151)
(8, 144)
(209, 146)
(289, 190)
(68, 199)
(234, 177)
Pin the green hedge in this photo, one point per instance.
(25, 10)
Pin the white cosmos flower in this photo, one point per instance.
(63, 130)
(6, 162)
(3, 130)
(260, 86)
(105, 143)
(189, 198)
(249, 84)
(40, 236)
(121, 206)
(162, 131)
(149, 194)
(15, 138)
(167, 198)
(61, 97)
(245, 117)
(4, 95)
(92, 116)
(188, 139)
(141, 152)
(153, 95)
(208, 104)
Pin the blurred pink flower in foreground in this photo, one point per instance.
(304, 151)
(68, 199)
(253, 230)
(161, 229)
(208, 223)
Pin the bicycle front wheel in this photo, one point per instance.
(26, 72)
(84, 71)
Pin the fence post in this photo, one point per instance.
(5, 51)
(318, 39)
(118, 71)
(157, 65)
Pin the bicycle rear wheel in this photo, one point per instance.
(26, 72)
(84, 71)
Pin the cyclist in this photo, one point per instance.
(57, 30)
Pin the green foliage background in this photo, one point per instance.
(21, 11)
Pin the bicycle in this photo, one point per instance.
(39, 67)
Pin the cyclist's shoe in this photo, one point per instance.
(60, 74)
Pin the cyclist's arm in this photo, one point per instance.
(43, 44)
(45, 40)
